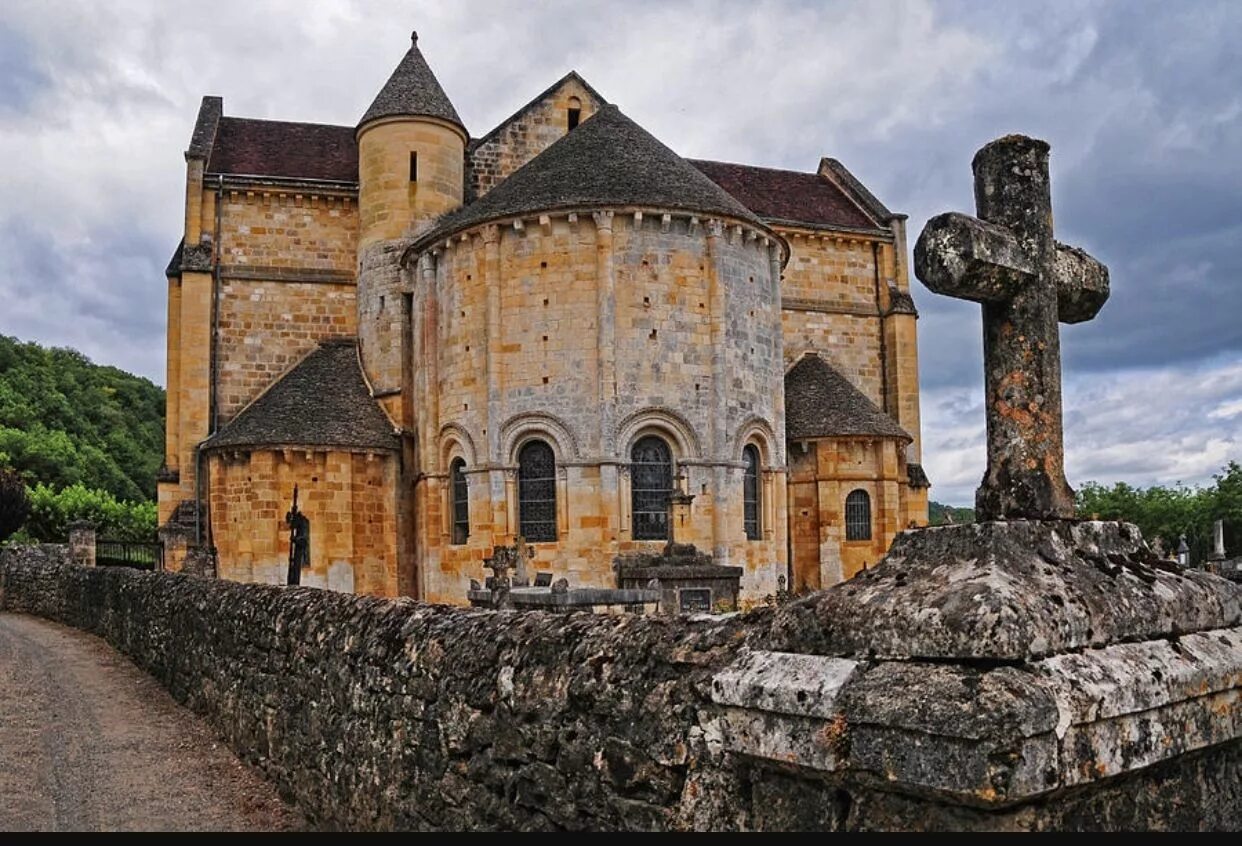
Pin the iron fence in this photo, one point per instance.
(140, 556)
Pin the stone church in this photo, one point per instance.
(446, 342)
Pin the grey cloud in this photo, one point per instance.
(21, 80)
(1142, 103)
(98, 296)
(1144, 426)
(1140, 100)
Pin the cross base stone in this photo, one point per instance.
(994, 665)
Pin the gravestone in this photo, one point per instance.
(689, 580)
(998, 673)
(503, 560)
(1218, 543)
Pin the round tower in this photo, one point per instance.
(411, 162)
(411, 153)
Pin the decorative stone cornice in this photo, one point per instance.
(543, 223)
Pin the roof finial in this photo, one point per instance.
(414, 38)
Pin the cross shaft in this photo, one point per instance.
(1007, 260)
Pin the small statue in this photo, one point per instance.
(299, 540)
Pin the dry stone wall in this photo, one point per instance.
(381, 714)
(389, 714)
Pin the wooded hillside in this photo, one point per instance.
(67, 421)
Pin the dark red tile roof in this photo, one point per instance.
(788, 196)
(276, 148)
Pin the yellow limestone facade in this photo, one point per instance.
(526, 364)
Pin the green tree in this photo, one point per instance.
(14, 504)
(1164, 514)
(65, 421)
(939, 514)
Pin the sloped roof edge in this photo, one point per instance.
(321, 401)
(822, 403)
(534, 101)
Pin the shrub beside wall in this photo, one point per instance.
(51, 511)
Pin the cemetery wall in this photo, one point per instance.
(386, 714)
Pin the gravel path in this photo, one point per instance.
(88, 742)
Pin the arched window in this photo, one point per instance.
(858, 516)
(750, 493)
(651, 484)
(537, 492)
(573, 114)
(461, 501)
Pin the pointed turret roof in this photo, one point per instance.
(412, 91)
(608, 161)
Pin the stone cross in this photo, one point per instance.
(500, 564)
(1008, 260)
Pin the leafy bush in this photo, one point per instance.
(14, 504)
(52, 511)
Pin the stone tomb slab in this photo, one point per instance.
(986, 737)
(1008, 591)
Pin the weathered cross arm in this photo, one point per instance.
(1082, 284)
(961, 256)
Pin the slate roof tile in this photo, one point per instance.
(608, 161)
(412, 90)
(323, 401)
(821, 403)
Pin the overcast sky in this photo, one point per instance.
(1141, 101)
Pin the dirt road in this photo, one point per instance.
(88, 742)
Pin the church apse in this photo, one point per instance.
(544, 331)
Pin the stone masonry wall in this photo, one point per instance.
(266, 327)
(828, 289)
(349, 499)
(667, 352)
(262, 231)
(820, 479)
(527, 134)
(390, 203)
(287, 282)
(382, 714)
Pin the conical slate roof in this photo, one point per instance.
(607, 161)
(821, 403)
(322, 402)
(412, 91)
